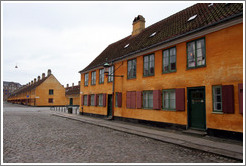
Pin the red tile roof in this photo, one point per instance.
(73, 90)
(169, 29)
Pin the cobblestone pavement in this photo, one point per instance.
(33, 135)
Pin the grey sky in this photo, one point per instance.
(66, 36)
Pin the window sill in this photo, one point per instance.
(168, 110)
(169, 72)
(197, 67)
(132, 78)
(217, 112)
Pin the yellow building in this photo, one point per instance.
(184, 71)
(45, 91)
(73, 94)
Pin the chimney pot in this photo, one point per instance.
(49, 72)
(31, 82)
(138, 25)
(35, 80)
(43, 75)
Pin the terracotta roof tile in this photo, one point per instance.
(168, 29)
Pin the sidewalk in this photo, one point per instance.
(216, 146)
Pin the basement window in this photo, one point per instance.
(192, 18)
(126, 46)
(153, 34)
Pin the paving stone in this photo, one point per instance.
(33, 135)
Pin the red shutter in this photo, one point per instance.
(128, 99)
(228, 99)
(240, 98)
(133, 100)
(180, 99)
(82, 99)
(88, 100)
(156, 99)
(139, 99)
(95, 99)
(104, 100)
(119, 99)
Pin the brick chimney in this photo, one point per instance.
(38, 78)
(31, 82)
(49, 72)
(67, 85)
(43, 75)
(72, 84)
(79, 83)
(35, 80)
(138, 25)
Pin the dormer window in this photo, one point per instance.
(153, 34)
(126, 46)
(192, 18)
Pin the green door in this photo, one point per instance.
(71, 101)
(196, 108)
(110, 106)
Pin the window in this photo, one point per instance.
(148, 99)
(110, 74)
(86, 79)
(101, 76)
(217, 98)
(149, 65)
(169, 60)
(100, 100)
(85, 100)
(131, 69)
(196, 53)
(50, 100)
(93, 78)
(51, 91)
(92, 100)
(169, 99)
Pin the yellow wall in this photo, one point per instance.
(42, 93)
(76, 99)
(224, 66)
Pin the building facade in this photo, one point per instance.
(9, 88)
(45, 91)
(185, 70)
(72, 94)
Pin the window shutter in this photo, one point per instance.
(156, 99)
(133, 100)
(139, 99)
(180, 99)
(119, 99)
(240, 98)
(95, 99)
(104, 100)
(82, 99)
(128, 99)
(228, 99)
(88, 100)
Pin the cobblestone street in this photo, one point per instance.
(33, 135)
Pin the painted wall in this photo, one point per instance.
(224, 66)
(42, 93)
(76, 99)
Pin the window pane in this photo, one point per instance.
(172, 100)
(165, 60)
(150, 99)
(173, 59)
(166, 100)
(191, 54)
(217, 98)
(146, 68)
(145, 100)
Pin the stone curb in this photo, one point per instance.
(223, 149)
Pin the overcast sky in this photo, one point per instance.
(66, 36)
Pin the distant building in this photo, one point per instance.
(72, 94)
(9, 88)
(45, 91)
